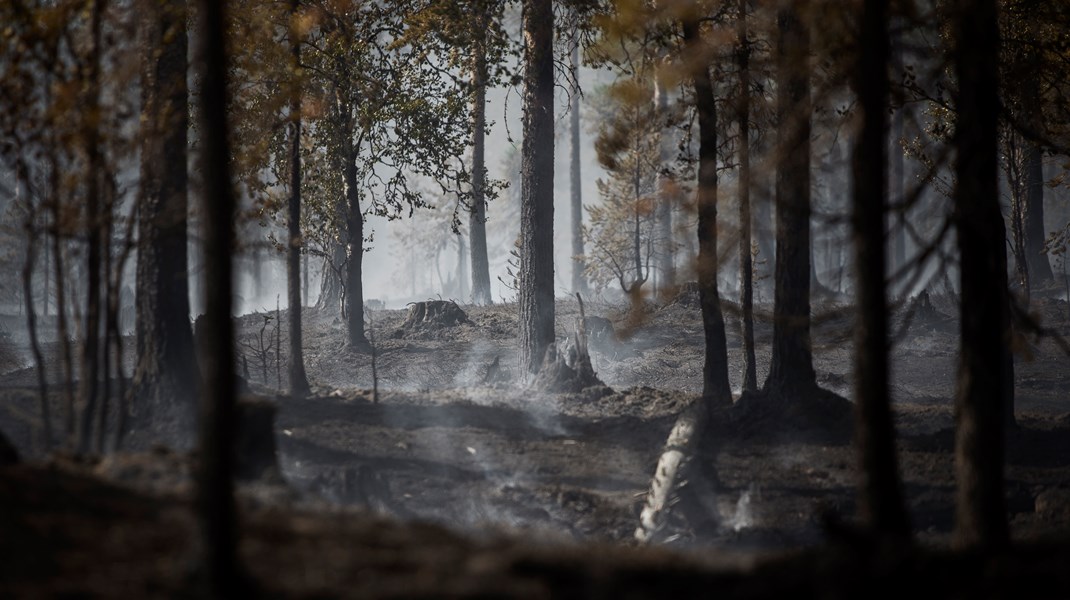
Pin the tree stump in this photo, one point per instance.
(256, 456)
(569, 371)
(434, 314)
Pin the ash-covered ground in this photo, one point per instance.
(457, 437)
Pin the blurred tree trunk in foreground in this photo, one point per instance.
(880, 494)
(981, 398)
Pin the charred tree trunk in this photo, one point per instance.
(298, 378)
(166, 366)
(215, 476)
(666, 192)
(898, 159)
(330, 296)
(791, 366)
(746, 266)
(536, 296)
(579, 264)
(32, 235)
(89, 377)
(1040, 272)
(981, 398)
(715, 387)
(477, 218)
(880, 494)
(354, 290)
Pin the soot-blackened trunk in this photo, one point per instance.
(536, 296)
(791, 366)
(746, 266)
(1040, 272)
(477, 218)
(89, 390)
(354, 292)
(298, 377)
(215, 473)
(715, 387)
(166, 371)
(981, 397)
(579, 265)
(880, 495)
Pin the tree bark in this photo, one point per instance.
(879, 491)
(215, 473)
(536, 296)
(898, 160)
(1040, 272)
(298, 378)
(477, 218)
(89, 377)
(354, 291)
(715, 387)
(981, 398)
(746, 266)
(166, 369)
(579, 264)
(791, 366)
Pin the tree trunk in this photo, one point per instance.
(32, 235)
(746, 266)
(715, 387)
(880, 495)
(981, 398)
(89, 377)
(477, 218)
(215, 473)
(330, 296)
(298, 377)
(1040, 272)
(791, 366)
(579, 264)
(166, 369)
(536, 296)
(354, 290)
(898, 159)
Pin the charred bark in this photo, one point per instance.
(981, 397)
(354, 286)
(1040, 272)
(298, 378)
(215, 473)
(477, 218)
(165, 374)
(879, 491)
(89, 389)
(791, 366)
(715, 387)
(746, 263)
(536, 297)
(579, 264)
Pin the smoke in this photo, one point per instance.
(743, 516)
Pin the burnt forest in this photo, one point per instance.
(534, 299)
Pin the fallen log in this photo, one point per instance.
(682, 492)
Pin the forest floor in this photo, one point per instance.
(460, 480)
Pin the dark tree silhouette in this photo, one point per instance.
(215, 473)
(880, 495)
(715, 387)
(89, 388)
(791, 366)
(746, 263)
(579, 265)
(477, 218)
(298, 377)
(166, 371)
(537, 187)
(982, 395)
